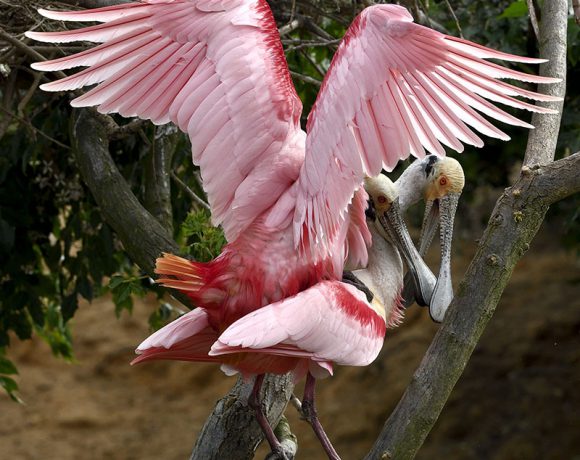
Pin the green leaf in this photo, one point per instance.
(116, 281)
(122, 289)
(516, 9)
(122, 298)
(7, 367)
(11, 387)
(69, 306)
(56, 332)
(203, 240)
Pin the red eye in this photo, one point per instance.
(443, 181)
(381, 199)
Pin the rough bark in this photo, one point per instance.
(553, 36)
(157, 175)
(143, 237)
(232, 431)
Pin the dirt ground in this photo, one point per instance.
(518, 399)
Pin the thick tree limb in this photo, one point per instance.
(516, 218)
(553, 34)
(231, 432)
(143, 237)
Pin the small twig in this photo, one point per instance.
(450, 8)
(34, 128)
(422, 9)
(146, 141)
(290, 27)
(306, 78)
(326, 14)
(26, 49)
(120, 132)
(26, 99)
(314, 64)
(183, 186)
(296, 403)
(313, 44)
(62, 49)
(534, 19)
(318, 31)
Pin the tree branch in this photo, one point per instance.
(553, 34)
(143, 237)
(190, 193)
(516, 218)
(94, 3)
(157, 177)
(232, 431)
(518, 215)
(557, 180)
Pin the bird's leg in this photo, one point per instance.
(255, 403)
(309, 413)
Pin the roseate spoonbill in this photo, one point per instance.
(439, 181)
(329, 322)
(291, 205)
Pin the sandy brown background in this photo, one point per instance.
(518, 399)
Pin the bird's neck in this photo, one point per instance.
(411, 185)
(384, 277)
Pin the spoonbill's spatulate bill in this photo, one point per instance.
(439, 181)
(292, 205)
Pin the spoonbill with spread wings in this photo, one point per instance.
(291, 204)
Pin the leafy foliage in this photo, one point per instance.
(7, 383)
(199, 238)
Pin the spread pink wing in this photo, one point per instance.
(396, 88)
(329, 322)
(216, 68)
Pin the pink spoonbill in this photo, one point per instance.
(291, 204)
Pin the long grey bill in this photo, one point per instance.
(423, 278)
(443, 293)
(428, 231)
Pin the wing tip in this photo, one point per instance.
(51, 87)
(38, 36)
(58, 15)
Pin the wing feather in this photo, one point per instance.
(330, 321)
(216, 68)
(394, 89)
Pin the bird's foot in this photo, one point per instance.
(288, 442)
(280, 454)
